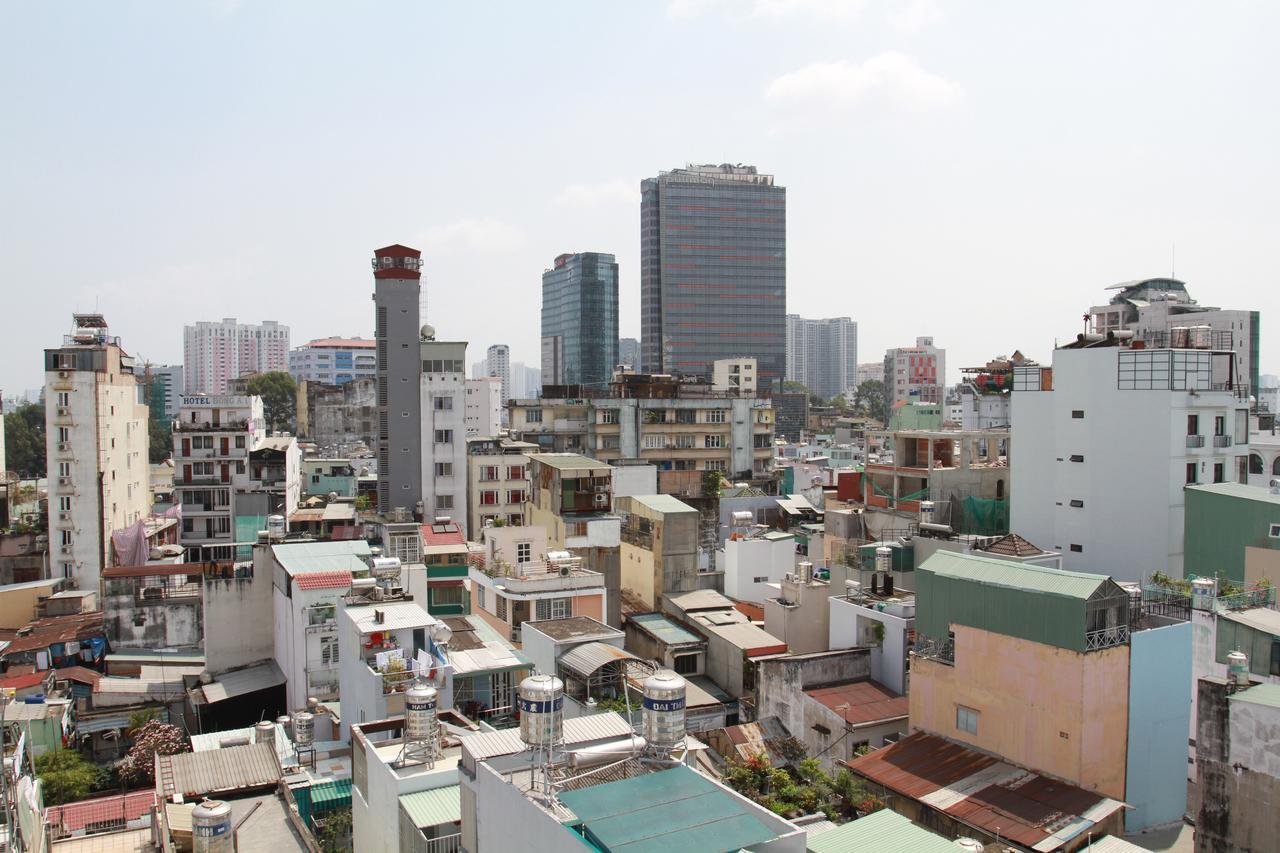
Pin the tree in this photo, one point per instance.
(151, 739)
(869, 398)
(712, 481)
(279, 395)
(803, 789)
(334, 833)
(65, 776)
(161, 437)
(24, 440)
(838, 402)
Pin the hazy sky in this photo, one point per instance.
(978, 172)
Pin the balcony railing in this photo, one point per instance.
(1105, 638)
(942, 651)
(206, 426)
(1222, 441)
(1195, 441)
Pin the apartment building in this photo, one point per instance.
(214, 353)
(482, 406)
(822, 355)
(917, 373)
(444, 431)
(334, 361)
(497, 481)
(97, 444)
(497, 363)
(735, 376)
(1106, 439)
(397, 291)
(659, 551)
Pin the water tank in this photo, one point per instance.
(312, 704)
(383, 566)
(264, 732)
(284, 720)
(1238, 668)
(211, 827)
(884, 559)
(926, 512)
(541, 710)
(420, 712)
(664, 727)
(806, 571)
(1203, 593)
(970, 845)
(742, 518)
(275, 526)
(304, 728)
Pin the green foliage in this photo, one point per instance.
(138, 719)
(618, 704)
(334, 835)
(151, 739)
(279, 395)
(160, 435)
(838, 402)
(24, 440)
(804, 789)
(869, 398)
(877, 631)
(712, 482)
(363, 504)
(66, 776)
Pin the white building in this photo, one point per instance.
(97, 445)
(498, 364)
(497, 481)
(734, 376)
(483, 406)
(823, 354)
(751, 565)
(858, 620)
(917, 374)
(1103, 442)
(334, 361)
(216, 353)
(444, 431)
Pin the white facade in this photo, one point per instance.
(917, 374)
(483, 406)
(497, 364)
(981, 411)
(1099, 462)
(216, 353)
(334, 361)
(734, 375)
(751, 565)
(823, 354)
(97, 445)
(852, 625)
(444, 429)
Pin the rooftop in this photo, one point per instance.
(1262, 619)
(981, 791)
(1012, 545)
(662, 503)
(340, 579)
(1239, 490)
(433, 807)
(302, 557)
(1003, 573)
(395, 614)
(446, 533)
(663, 629)
(860, 702)
(195, 774)
(1259, 694)
(571, 464)
(363, 343)
(884, 831)
(75, 817)
(574, 628)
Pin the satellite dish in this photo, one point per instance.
(428, 332)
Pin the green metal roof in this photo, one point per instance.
(990, 571)
(662, 503)
(1238, 490)
(884, 831)
(664, 629)
(302, 557)
(433, 807)
(334, 794)
(1259, 694)
(670, 810)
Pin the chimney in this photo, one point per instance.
(379, 617)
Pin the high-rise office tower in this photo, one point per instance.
(823, 354)
(396, 290)
(580, 320)
(713, 270)
(498, 363)
(629, 352)
(216, 353)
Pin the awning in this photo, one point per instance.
(433, 807)
(589, 657)
(106, 722)
(243, 681)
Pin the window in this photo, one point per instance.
(685, 664)
(488, 473)
(446, 596)
(328, 650)
(64, 398)
(515, 519)
(1274, 531)
(444, 469)
(64, 503)
(1191, 472)
(1219, 472)
(609, 416)
(686, 416)
(713, 441)
(524, 552)
(1077, 549)
(444, 436)
(715, 416)
(515, 496)
(533, 416)
(500, 606)
(515, 472)
(489, 497)
(64, 469)
(240, 442)
(444, 404)
(554, 608)
(1077, 413)
(64, 433)
(1076, 457)
(444, 501)
(480, 590)
(966, 720)
(1078, 504)
(1275, 657)
(66, 537)
(760, 579)
(716, 465)
(655, 442)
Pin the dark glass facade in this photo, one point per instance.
(713, 270)
(580, 320)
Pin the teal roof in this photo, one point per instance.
(433, 807)
(1238, 490)
(1259, 694)
(663, 503)
(303, 557)
(989, 571)
(662, 812)
(332, 794)
(664, 629)
(884, 831)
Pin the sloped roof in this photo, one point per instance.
(300, 557)
(323, 580)
(433, 807)
(589, 657)
(884, 831)
(443, 534)
(861, 702)
(1003, 573)
(1012, 545)
(194, 774)
(244, 681)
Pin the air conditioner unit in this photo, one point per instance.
(63, 374)
(64, 446)
(565, 571)
(64, 481)
(64, 516)
(64, 411)
(66, 549)
(153, 592)
(601, 500)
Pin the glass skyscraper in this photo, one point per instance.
(713, 270)
(580, 320)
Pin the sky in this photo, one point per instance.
(978, 172)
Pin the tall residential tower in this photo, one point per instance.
(823, 354)
(216, 353)
(713, 270)
(396, 290)
(580, 320)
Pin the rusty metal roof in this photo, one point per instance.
(986, 793)
(233, 768)
(861, 701)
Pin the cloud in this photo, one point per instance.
(484, 233)
(891, 79)
(594, 195)
(912, 16)
(767, 9)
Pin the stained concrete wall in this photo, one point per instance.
(239, 627)
(1159, 714)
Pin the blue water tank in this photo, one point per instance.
(34, 699)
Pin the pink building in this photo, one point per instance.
(216, 353)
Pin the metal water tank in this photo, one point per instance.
(742, 518)
(304, 728)
(884, 559)
(264, 732)
(926, 512)
(1203, 593)
(970, 845)
(664, 726)
(541, 710)
(1238, 668)
(275, 526)
(420, 712)
(211, 827)
(806, 571)
(284, 721)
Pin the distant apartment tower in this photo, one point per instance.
(1104, 441)
(334, 361)
(870, 370)
(629, 352)
(444, 428)
(915, 374)
(483, 406)
(99, 479)
(526, 382)
(216, 353)
(713, 270)
(166, 390)
(396, 291)
(823, 354)
(580, 320)
(497, 363)
(1156, 310)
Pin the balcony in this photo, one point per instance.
(1195, 441)
(206, 426)
(1222, 441)
(1105, 638)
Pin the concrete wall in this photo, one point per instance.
(18, 606)
(239, 627)
(744, 560)
(1159, 714)
(803, 622)
(852, 625)
(163, 624)
(1238, 769)
(635, 480)
(1060, 712)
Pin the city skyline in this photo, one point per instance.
(922, 178)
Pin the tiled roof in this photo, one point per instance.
(1012, 545)
(74, 817)
(861, 701)
(363, 343)
(443, 534)
(19, 682)
(340, 579)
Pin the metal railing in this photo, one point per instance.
(942, 651)
(1222, 441)
(1259, 596)
(1195, 441)
(1105, 638)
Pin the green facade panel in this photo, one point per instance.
(1222, 519)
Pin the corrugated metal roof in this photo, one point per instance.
(197, 773)
(1262, 619)
(983, 792)
(213, 740)
(1259, 694)
(433, 807)
(701, 599)
(861, 701)
(750, 638)
(592, 727)
(661, 503)
(248, 680)
(396, 614)
(1238, 490)
(675, 809)
(571, 464)
(664, 629)
(299, 557)
(589, 657)
(101, 723)
(1111, 844)
(884, 831)
(74, 817)
(1005, 573)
